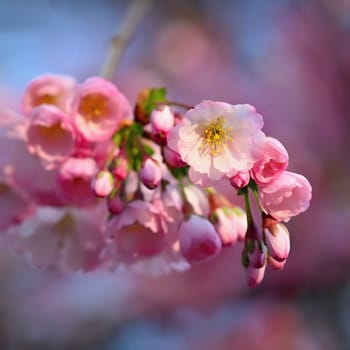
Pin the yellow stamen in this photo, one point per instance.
(216, 136)
(48, 99)
(93, 106)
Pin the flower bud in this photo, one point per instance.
(172, 158)
(102, 184)
(150, 173)
(198, 239)
(241, 222)
(277, 239)
(240, 180)
(254, 275)
(120, 167)
(162, 121)
(276, 265)
(115, 204)
(224, 222)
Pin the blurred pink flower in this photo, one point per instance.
(217, 139)
(67, 238)
(273, 162)
(99, 108)
(49, 89)
(50, 134)
(75, 176)
(198, 239)
(286, 196)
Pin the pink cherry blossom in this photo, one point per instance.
(198, 239)
(137, 232)
(162, 120)
(50, 134)
(115, 204)
(75, 177)
(273, 162)
(150, 173)
(102, 184)
(286, 196)
(99, 108)
(49, 89)
(240, 222)
(218, 139)
(67, 238)
(240, 180)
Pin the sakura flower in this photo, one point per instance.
(217, 139)
(99, 108)
(286, 196)
(198, 239)
(75, 177)
(102, 184)
(273, 162)
(137, 232)
(49, 89)
(115, 204)
(255, 275)
(66, 238)
(172, 158)
(50, 134)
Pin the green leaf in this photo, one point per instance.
(136, 129)
(156, 96)
(148, 150)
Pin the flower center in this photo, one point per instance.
(216, 136)
(46, 98)
(93, 106)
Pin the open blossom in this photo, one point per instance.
(198, 239)
(50, 134)
(99, 108)
(286, 196)
(49, 89)
(67, 238)
(218, 139)
(75, 177)
(138, 232)
(272, 163)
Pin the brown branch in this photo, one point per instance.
(121, 39)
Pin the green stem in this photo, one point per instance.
(247, 206)
(179, 104)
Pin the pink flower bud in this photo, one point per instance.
(286, 196)
(172, 158)
(240, 180)
(276, 265)
(99, 108)
(241, 222)
(102, 184)
(277, 241)
(254, 275)
(198, 239)
(50, 134)
(273, 162)
(224, 222)
(257, 256)
(162, 121)
(115, 204)
(150, 173)
(120, 167)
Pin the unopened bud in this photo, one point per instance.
(150, 173)
(162, 121)
(172, 158)
(240, 180)
(102, 184)
(254, 275)
(115, 204)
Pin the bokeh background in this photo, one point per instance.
(290, 59)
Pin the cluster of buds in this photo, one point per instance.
(139, 187)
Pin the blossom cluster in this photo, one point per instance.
(90, 182)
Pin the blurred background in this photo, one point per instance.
(291, 60)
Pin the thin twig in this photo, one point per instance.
(123, 36)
